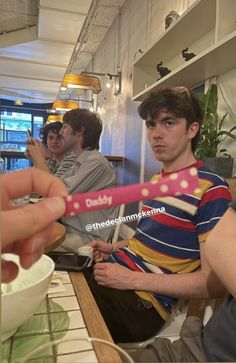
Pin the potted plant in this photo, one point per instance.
(210, 149)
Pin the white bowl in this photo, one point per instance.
(21, 298)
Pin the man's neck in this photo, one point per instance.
(59, 158)
(179, 164)
(77, 150)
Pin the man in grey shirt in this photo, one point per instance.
(91, 172)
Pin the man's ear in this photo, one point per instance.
(80, 132)
(193, 129)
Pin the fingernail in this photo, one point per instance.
(56, 205)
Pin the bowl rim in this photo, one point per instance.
(42, 278)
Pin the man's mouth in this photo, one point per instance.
(158, 147)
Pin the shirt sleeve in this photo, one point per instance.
(213, 205)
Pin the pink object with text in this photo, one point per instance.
(182, 182)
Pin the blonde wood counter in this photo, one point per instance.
(93, 319)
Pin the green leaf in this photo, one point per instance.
(222, 120)
(212, 135)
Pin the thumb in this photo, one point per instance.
(28, 220)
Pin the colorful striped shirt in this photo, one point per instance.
(169, 241)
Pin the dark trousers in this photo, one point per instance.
(128, 317)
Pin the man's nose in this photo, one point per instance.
(158, 131)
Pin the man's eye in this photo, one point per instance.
(169, 122)
(150, 124)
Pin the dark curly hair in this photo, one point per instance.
(55, 127)
(180, 101)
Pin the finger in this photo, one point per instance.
(26, 261)
(100, 281)
(96, 253)
(28, 181)
(100, 266)
(9, 271)
(29, 251)
(99, 257)
(30, 219)
(32, 244)
(93, 244)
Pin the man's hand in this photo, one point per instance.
(101, 250)
(114, 275)
(26, 230)
(36, 152)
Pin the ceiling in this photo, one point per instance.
(41, 40)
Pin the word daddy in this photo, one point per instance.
(101, 200)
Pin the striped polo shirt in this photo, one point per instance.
(168, 241)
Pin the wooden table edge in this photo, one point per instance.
(93, 319)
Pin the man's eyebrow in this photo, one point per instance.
(166, 117)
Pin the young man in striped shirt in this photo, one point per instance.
(142, 278)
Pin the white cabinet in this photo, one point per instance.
(208, 29)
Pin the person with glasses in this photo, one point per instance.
(142, 278)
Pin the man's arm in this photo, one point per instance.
(221, 250)
(37, 156)
(199, 284)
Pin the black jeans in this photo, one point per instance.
(128, 317)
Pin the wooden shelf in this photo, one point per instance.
(212, 39)
(209, 63)
(13, 154)
(114, 158)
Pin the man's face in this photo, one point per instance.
(69, 138)
(170, 139)
(54, 143)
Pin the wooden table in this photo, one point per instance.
(93, 319)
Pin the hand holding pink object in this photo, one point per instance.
(182, 182)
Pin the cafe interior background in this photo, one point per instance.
(120, 42)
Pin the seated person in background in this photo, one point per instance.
(27, 230)
(138, 285)
(91, 172)
(50, 155)
(216, 341)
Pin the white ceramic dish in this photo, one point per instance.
(21, 297)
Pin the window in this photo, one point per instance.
(14, 122)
